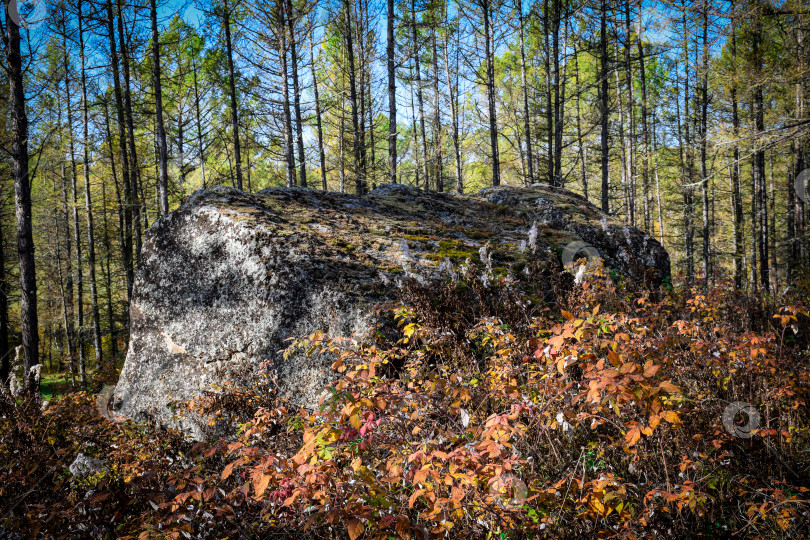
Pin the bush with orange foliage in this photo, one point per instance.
(498, 407)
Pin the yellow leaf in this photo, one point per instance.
(671, 417)
(567, 314)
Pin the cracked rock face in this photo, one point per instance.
(229, 277)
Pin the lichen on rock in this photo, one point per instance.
(229, 277)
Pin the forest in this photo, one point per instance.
(689, 121)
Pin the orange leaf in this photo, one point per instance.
(416, 494)
(669, 388)
(633, 436)
(627, 367)
(260, 486)
(226, 472)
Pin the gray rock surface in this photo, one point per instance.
(227, 278)
(84, 466)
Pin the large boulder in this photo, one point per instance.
(229, 277)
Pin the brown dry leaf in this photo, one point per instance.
(355, 528)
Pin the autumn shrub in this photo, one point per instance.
(504, 406)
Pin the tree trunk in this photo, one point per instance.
(453, 108)
(603, 104)
(5, 359)
(76, 235)
(580, 142)
(772, 226)
(126, 245)
(549, 94)
(419, 98)
(108, 255)
(657, 183)
(795, 203)
(70, 323)
(493, 121)
(645, 133)
(752, 270)
(200, 147)
(134, 170)
(759, 157)
(299, 125)
(91, 247)
(67, 316)
(285, 96)
(361, 98)
(121, 218)
(359, 171)
(415, 138)
(318, 122)
(526, 118)
(559, 95)
(437, 119)
(163, 180)
(22, 199)
(342, 138)
(392, 95)
(226, 23)
(623, 161)
(688, 192)
(736, 195)
(630, 146)
(704, 172)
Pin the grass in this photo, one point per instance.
(54, 385)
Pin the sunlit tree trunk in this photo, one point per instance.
(392, 94)
(88, 205)
(299, 125)
(453, 106)
(490, 67)
(419, 98)
(318, 121)
(226, 24)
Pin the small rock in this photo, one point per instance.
(84, 466)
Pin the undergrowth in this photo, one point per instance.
(496, 407)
